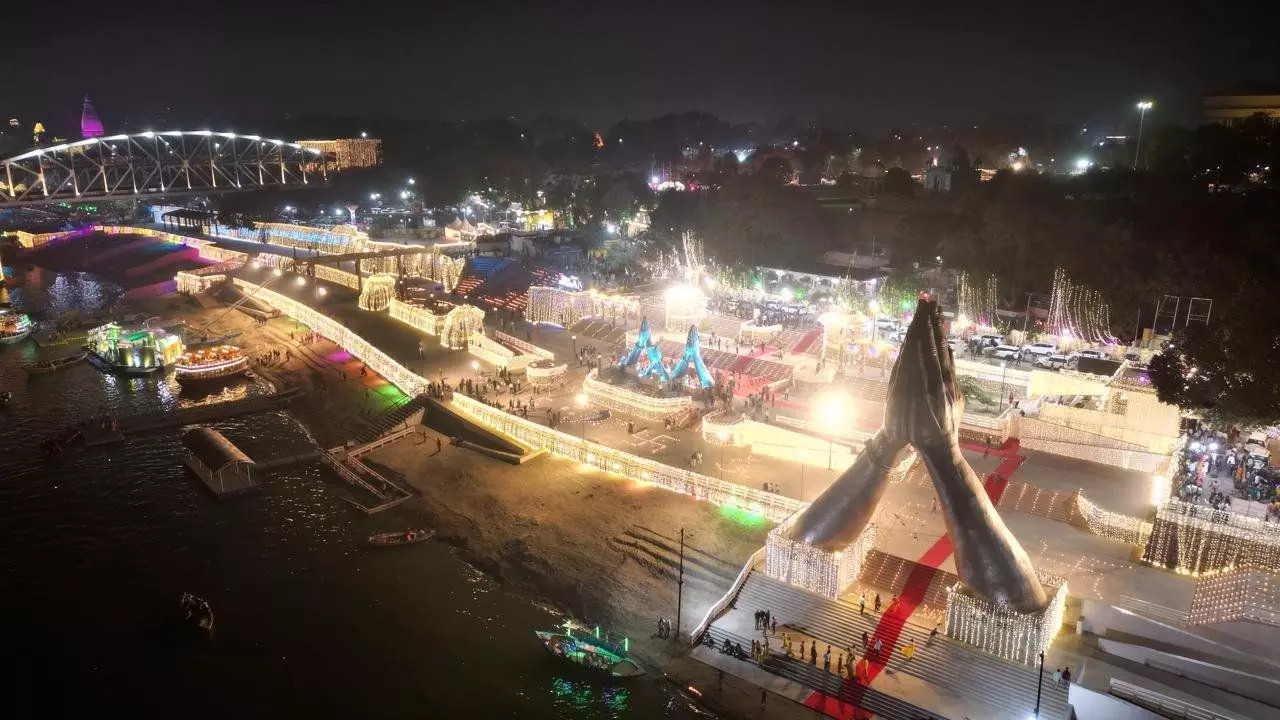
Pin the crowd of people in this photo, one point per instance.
(1217, 466)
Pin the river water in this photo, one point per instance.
(96, 546)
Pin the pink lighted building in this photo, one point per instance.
(90, 125)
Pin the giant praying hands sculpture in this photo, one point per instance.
(923, 409)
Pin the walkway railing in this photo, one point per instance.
(381, 363)
(730, 597)
(1161, 704)
(774, 507)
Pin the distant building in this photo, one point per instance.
(1234, 105)
(349, 152)
(937, 179)
(90, 124)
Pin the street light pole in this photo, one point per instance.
(680, 593)
(1039, 684)
(1004, 368)
(1143, 107)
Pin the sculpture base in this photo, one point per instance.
(1001, 630)
(825, 572)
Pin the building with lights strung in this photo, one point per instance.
(348, 152)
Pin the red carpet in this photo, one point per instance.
(889, 630)
(806, 341)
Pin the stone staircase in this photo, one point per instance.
(885, 707)
(890, 572)
(392, 417)
(1041, 502)
(1005, 689)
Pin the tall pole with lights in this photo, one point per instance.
(1143, 107)
(1039, 685)
(680, 587)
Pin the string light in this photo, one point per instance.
(417, 317)
(641, 470)
(1001, 630)
(825, 572)
(1236, 595)
(378, 292)
(630, 402)
(1078, 313)
(545, 373)
(1199, 541)
(564, 308)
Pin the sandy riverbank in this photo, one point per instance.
(586, 543)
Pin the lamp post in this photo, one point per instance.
(1004, 368)
(1039, 684)
(574, 340)
(1143, 107)
(680, 587)
(724, 440)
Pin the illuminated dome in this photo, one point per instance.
(90, 125)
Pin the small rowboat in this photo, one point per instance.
(196, 612)
(49, 366)
(400, 537)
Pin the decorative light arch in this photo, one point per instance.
(378, 292)
(459, 324)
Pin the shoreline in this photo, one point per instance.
(584, 566)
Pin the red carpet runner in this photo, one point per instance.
(806, 341)
(896, 615)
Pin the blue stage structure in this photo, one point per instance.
(645, 346)
(693, 355)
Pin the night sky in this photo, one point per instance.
(867, 66)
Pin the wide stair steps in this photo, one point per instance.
(1039, 502)
(957, 668)
(890, 572)
(885, 707)
(660, 555)
(382, 424)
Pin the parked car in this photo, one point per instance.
(1093, 353)
(1037, 349)
(1006, 352)
(989, 341)
(1052, 362)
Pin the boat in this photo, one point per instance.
(589, 649)
(14, 326)
(49, 366)
(142, 352)
(211, 364)
(196, 612)
(400, 537)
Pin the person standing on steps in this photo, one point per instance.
(877, 605)
(813, 653)
(862, 604)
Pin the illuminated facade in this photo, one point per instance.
(348, 152)
(90, 123)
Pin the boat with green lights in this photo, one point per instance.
(141, 352)
(14, 326)
(589, 649)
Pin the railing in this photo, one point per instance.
(772, 506)
(631, 402)
(730, 597)
(387, 439)
(1125, 528)
(381, 363)
(1161, 704)
(522, 346)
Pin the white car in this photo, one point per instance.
(1038, 349)
(1095, 354)
(1052, 362)
(1006, 352)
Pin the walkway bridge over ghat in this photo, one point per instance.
(153, 164)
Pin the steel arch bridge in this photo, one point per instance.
(173, 162)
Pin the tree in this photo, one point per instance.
(776, 171)
(898, 182)
(973, 391)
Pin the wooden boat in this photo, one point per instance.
(196, 612)
(400, 537)
(49, 366)
(588, 649)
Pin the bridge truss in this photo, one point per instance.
(173, 162)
